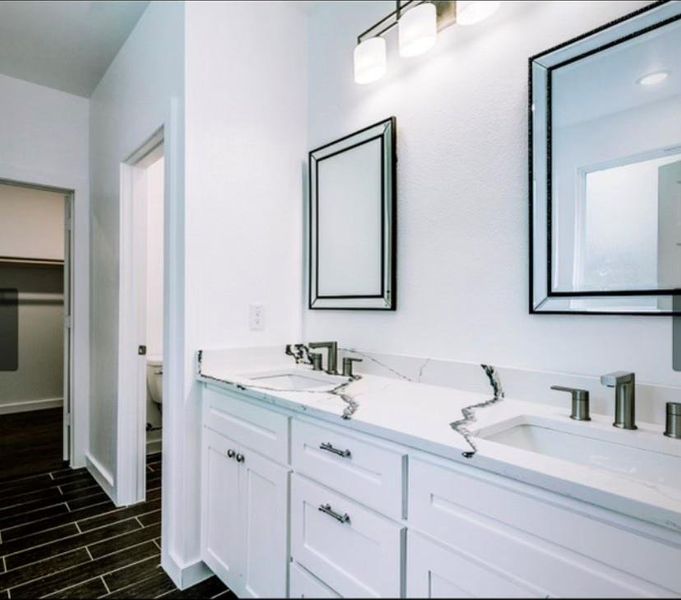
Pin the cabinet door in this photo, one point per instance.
(435, 571)
(306, 585)
(220, 520)
(263, 489)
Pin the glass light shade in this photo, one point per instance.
(472, 12)
(369, 59)
(418, 30)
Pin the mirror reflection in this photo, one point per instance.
(607, 166)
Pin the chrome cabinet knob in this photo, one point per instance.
(230, 453)
(240, 458)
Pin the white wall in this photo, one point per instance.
(246, 143)
(462, 194)
(137, 95)
(246, 147)
(44, 140)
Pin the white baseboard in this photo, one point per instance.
(101, 474)
(187, 574)
(29, 405)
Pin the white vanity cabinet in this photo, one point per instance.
(244, 529)
(319, 509)
(473, 533)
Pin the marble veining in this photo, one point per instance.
(461, 426)
(382, 364)
(300, 353)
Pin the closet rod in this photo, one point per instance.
(20, 260)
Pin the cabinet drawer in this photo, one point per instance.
(540, 540)
(306, 585)
(368, 472)
(360, 557)
(259, 429)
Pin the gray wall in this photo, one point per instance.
(40, 373)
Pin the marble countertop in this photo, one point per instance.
(419, 416)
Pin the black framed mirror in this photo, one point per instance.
(352, 217)
(605, 169)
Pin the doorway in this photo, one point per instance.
(36, 357)
(141, 325)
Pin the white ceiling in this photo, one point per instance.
(66, 45)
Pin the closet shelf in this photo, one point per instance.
(25, 261)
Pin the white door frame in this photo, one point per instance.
(131, 422)
(67, 398)
(75, 397)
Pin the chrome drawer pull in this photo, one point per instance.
(329, 448)
(326, 509)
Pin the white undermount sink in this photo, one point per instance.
(647, 457)
(293, 381)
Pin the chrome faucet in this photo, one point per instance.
(580, 402)
(331, 357)
(625, 397)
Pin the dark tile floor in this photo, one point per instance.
(61, 537)
(31, 442)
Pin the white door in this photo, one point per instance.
(221, 519)
(263, 491)
(436, 571)
(139, 292)
(68, 318)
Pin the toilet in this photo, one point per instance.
(155, 378)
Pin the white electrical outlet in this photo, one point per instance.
(256, 317)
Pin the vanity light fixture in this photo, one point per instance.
(471, 13)
(418, 23)
(369, 59)
(653, 78)
(417, 30)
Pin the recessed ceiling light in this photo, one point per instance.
(653, 78)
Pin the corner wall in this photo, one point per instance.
(142, 91)
(463, 195)
(246, 143)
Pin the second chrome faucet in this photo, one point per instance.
(331, 356)
(625, 397)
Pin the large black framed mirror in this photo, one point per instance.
(352, 216)
(605, 169)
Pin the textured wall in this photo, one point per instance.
(463, 194)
